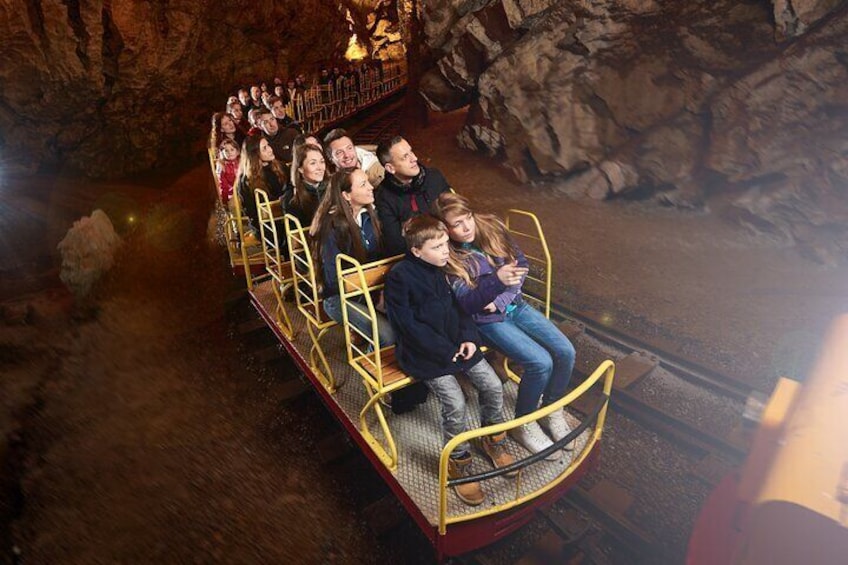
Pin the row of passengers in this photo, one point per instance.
(487, 274)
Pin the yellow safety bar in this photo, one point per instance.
(275, 265)
(375, 364)
(309, 301)
(605, 371)
(525, 228)
(539, 256)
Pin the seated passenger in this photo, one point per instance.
(281, 139)
(436, 340)
(259, 169)
(223, 127)
(508, 323)
(278, 108)
(227, 167)
(234, 110)
(346, 222)
(407, 190)
(309, 184)
(341, 152)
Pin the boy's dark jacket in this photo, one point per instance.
(427, 320)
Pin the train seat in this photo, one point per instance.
(309, 300)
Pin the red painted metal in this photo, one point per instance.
(459, 538)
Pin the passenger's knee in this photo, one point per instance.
(566, 352)
(540, 364)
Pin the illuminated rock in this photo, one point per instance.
(88, 251)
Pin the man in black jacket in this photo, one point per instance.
(436, 340)
(407, 190)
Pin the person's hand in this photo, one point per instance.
(381, 303)
(510, 274)
(466, 351)
(490, 307)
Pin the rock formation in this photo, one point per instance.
(679, 98)
(114, 87)
(88, 252)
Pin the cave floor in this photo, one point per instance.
(135, 431)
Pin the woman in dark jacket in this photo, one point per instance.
(346, 222)
(259, 169)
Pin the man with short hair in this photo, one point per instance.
(280, 139)
(278, 108)
(244, 100)
(343, 154)
(408, 189)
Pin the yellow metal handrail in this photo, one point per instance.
(605, 371)
(544, 263)
(308, 299)
(279, 269)
(359, 280)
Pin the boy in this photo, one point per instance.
(435, 341)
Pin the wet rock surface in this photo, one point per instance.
(679, 100)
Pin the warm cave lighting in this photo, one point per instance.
(606, 319)
(355, 51)
(131, 219)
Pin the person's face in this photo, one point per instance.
(236, 113)
(243, 96)
(435, 251)
(343, 152)
(254, 92)
(313, 167)
(269, 124)
(266, 152)
(361, 192)
(290, 84)
(230, 152)
(278, 109)
(461, 227)
(228, 125)
(278, 90)
(404, 163)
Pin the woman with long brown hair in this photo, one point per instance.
(346, 222)
(309, 180)
(508, 323)
(259, 169)
(223, 127)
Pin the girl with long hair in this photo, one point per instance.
(346, 222)
(508, 323)
(309, 182)
(223, 127)
(259, 169)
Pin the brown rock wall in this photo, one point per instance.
(613, 95)
(116, 87)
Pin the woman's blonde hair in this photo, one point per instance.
(491, 237)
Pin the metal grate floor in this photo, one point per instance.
(418, 435)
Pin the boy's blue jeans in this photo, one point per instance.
(452, 401)
(532, 341)
(333, 308)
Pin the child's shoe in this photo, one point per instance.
(495, 449)
(470, 493)
(557, 427)
(533, 439)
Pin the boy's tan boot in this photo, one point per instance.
(495, 448)
(470, 493)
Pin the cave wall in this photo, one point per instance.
(678, 99)
(113, 87)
